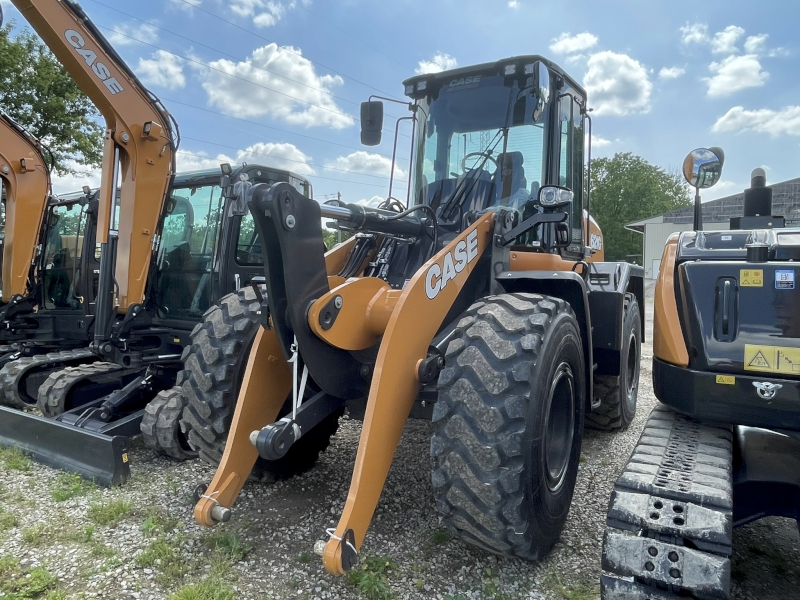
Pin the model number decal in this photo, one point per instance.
(596, 241)
(454, 262)
(102, 72)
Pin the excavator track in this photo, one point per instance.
(15, 374)
(669, 525)
(53, 393)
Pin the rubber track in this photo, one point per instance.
(161, 425)
(13, 374)
(55, 389)
(669, 525)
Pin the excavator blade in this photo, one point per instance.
(94, 456)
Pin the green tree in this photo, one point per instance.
(627, 188)
(331, 237)
(37, 91)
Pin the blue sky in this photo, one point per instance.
(663, 77)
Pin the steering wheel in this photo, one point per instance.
(471, 154)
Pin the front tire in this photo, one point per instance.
(508, 424)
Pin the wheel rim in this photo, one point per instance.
(560, 426)
(631, 371)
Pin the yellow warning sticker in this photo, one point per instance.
(726, 379)
(124, 457)
(751, 277)
(772, 359)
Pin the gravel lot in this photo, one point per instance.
(62, 539)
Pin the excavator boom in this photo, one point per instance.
(26, 177)
(139, 148)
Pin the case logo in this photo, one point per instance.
(767, 390)
(465, 81)
(454, 262)
(102, 72)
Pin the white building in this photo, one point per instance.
(716, 216)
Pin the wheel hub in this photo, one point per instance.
(560, 426)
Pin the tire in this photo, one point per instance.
(513, 357)
(214, 364)
(160, 425)
(618, 393)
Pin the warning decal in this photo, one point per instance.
(772, 359)
(751, 277)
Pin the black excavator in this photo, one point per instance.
(723, 447)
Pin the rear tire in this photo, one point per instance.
(161, 425)
(509, 422)
(214, 364)
(618, 393)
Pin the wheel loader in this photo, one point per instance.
(169, 246)
(723, 447)
(482, 302)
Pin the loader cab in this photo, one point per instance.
(491, 137)
(209, 247)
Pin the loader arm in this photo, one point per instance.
(26, 176)
(139, 148)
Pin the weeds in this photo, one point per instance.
(371, 579)
(14, 459)
(165, 556)
(229, 545)
(21, 583)
(7, 520)
(577, 591)
(70, 485)
(158, 520)
(110, 514)
(212, 588)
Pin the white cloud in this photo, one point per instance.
(196, 161)
(365, 163)
(617, 84)
(264, 13)
(598, 142)
(696, 33)
(774, 122)
(754, 44)
(671, 72)
(276, 81)
(279, 156)
(74, 183)
(567, 44)
(374, 202)
(162, 69)
(724, 41)
(735, 73)
(126, 34)
(439, 62)
(513, 3)
(185, 5)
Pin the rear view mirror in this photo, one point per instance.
(541, 88)
(371, 123)
(702, 168)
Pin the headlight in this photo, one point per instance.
(553, 196)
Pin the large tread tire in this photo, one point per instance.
(618, 393)
(490, 466)
(214, 364)
(160, 425)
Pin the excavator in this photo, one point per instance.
(169, 246)
(482, 302)
(723, 447)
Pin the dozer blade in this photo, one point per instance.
(99, 458)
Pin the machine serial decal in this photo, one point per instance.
(76, 40)
(784, 279)
(454, 262)
(751, 278)
(772, 359)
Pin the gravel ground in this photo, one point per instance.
(141, 541)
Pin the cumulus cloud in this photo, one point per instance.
(754, 44)
(439, 62)
(724, 41)
(569, 44)
(513, 3)
(185, 5)
(617, 84)
(196, 161)
(65, 184)
(365, 163)
(128, 33)
(374, 202)
(276, 81)
(279, 156)
(598, 142)
(671, 72)
(774, 122)
(696, 33)
(264, 13)
(735, 73)
(162, 69)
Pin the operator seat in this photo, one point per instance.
(509, 179)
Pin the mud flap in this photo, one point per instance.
(96, 457)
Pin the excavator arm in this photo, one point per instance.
(140, 141)
(26, 178)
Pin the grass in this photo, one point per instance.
(20, 583)
(440, 536)
(111, 513)
(371, 577)
(70, 485)
(14, 459)
(211, 588)
(229, 545)
(569, 591)
(164, 556)
(157, 520)
(7, 520)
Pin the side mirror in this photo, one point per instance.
(371, 123)
(541, 88)
(702, 168)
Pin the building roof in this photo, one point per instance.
(785, 202)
